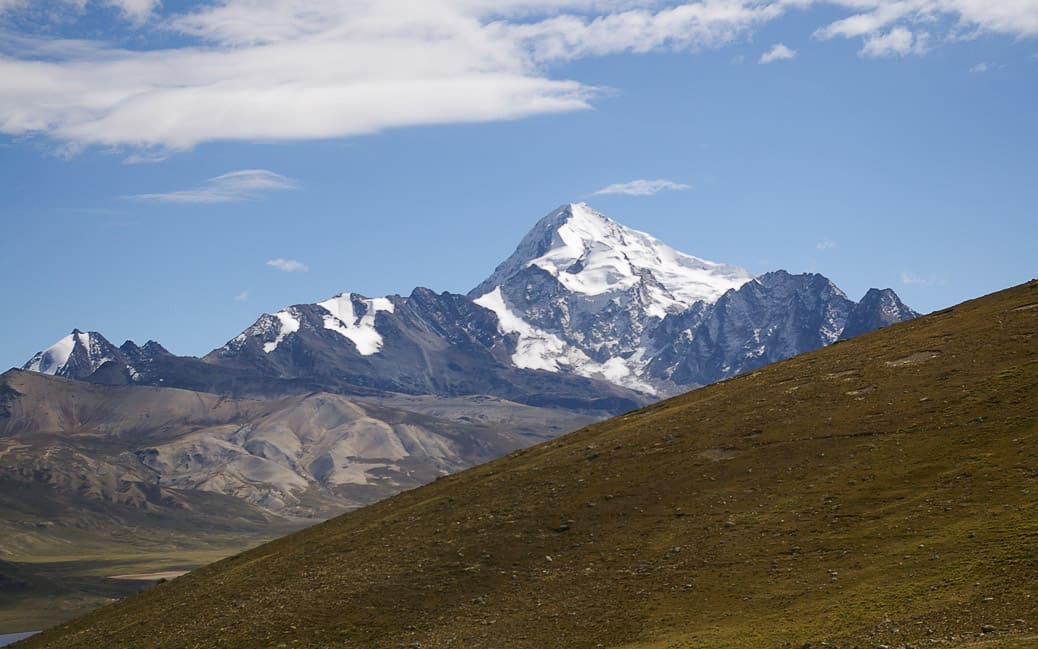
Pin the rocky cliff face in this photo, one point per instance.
(878, 308)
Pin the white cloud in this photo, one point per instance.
(825, 245)
(901, 27)
(1011, 17)
(867, 23)
(243, 296)
(227, 188)
(979, 68)
(310, 69)
(917, 280)
(288, 265)
(778, 53)
(686, 26)
(641, 187)
(898, 41)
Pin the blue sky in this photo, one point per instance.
(172, 170)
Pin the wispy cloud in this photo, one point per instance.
(146, 156)
(227, 188)
(288, 265)
(912, 279)
(979, 68)
(825, 245)
(242, 297)
(899, 41)
(778, 53)
(353, 67)
(641, 187)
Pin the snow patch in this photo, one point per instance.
(53, 359)
(537, 349)
(343, 320)
(288, 323)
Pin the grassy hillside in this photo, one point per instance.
(883, 491)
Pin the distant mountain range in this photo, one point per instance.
(585, 315)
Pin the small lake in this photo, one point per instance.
(8, 638)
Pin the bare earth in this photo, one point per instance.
(151, 576)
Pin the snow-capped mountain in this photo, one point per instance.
(589, 296)
(586, 314)
(583, 294)
(594, 256)
(78, 355)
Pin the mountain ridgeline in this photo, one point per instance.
(585, 315)
(875, 493)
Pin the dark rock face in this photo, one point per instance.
(878, 308)
(775, 316)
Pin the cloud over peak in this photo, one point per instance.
(641, 187)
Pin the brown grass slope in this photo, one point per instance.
(878, 492)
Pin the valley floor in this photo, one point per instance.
(41, 592)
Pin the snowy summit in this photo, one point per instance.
(590, 254)
(583, 293)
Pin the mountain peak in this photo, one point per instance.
(590, 254)
(75, 356)
(573, 212)
(878, 308)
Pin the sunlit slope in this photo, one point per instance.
(881, 491)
